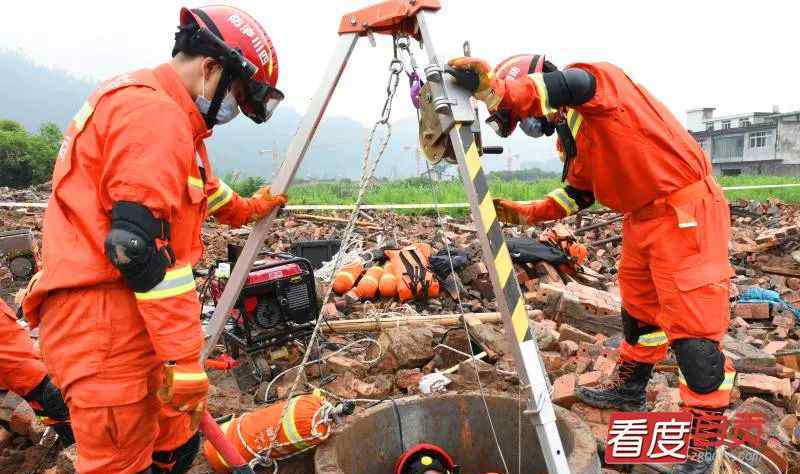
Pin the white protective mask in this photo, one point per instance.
(228, 109)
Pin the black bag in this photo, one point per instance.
(532, 251)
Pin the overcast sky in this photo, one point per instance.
(738, 56)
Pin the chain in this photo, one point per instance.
(369, 164)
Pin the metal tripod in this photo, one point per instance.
(458, 121)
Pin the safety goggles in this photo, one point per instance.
(501, 122)
(260, 101)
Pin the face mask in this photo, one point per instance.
(532, 127)
(228, 109)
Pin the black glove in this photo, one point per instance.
(49, 406)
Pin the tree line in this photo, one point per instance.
(27, 158)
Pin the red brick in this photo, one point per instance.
(552, 360)
(760, 383)
(569, 333)
(774, 347)
(564, 390)
(568, 348)
(406, 379)
(581, 364)
(590, 378)
(604, 365)
(5, 438)
(21, 419)
(793, 283)
(587, 413)
(600, 432)
(752, 310)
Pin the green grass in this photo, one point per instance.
(419, 191)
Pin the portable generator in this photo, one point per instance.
(277, 304)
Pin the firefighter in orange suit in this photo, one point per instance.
(132, 185)
(623, 148)
(22, 372)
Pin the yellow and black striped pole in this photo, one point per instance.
(510, 303)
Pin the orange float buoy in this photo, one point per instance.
(387, 285)
(346, 277)
(304, 426)
(367, 286)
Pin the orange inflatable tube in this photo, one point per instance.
(302, 428)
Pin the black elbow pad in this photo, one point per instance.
(132, 245)
(570, 88)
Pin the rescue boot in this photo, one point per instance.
(702, 454)
(625, 391)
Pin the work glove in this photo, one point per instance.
(510, 212)
(476, 75)
(185, 389)
(263, 202)
(48, 405)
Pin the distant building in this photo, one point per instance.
(755, 143)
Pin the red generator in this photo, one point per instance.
(278, 304)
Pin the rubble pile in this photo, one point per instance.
(426, 346)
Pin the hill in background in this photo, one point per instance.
(32, 94)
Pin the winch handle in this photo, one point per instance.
(492, 150)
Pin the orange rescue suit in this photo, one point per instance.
(138, 138)
(636, 158)
(21, 369)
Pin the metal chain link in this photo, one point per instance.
(369, 164)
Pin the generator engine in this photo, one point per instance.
(277, 304)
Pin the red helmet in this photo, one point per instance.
(242, 47)
(422, 458)
(503, 121)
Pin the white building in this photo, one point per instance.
(752, 143)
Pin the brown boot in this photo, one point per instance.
(625, 391)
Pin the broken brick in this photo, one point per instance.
(407, 378)
(752, 310)
(570, 333)
(568, 348)
(774, 347)
(564, 390)
(760, 383)
(604, 365)
(590, 378)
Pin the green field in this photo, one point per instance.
(420, 191)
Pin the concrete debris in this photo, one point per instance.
(424, 346)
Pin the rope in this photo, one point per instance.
(368, 170)
(452, 205)
(434, 192)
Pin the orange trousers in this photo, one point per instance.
(675, 280)
(98, 352)
(21, 369)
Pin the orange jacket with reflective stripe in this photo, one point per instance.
(631, 149)
(138, 138)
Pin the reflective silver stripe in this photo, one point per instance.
(656, 338)
(726, 384)
(82, 116)
(222, 196)
(563, 200)
(176, 282)
(195, 182)
(544, 101)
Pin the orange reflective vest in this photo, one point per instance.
(410, 267)
(139, 138)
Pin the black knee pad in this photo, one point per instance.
(181, 457)
(701, 362)
(631, 329)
